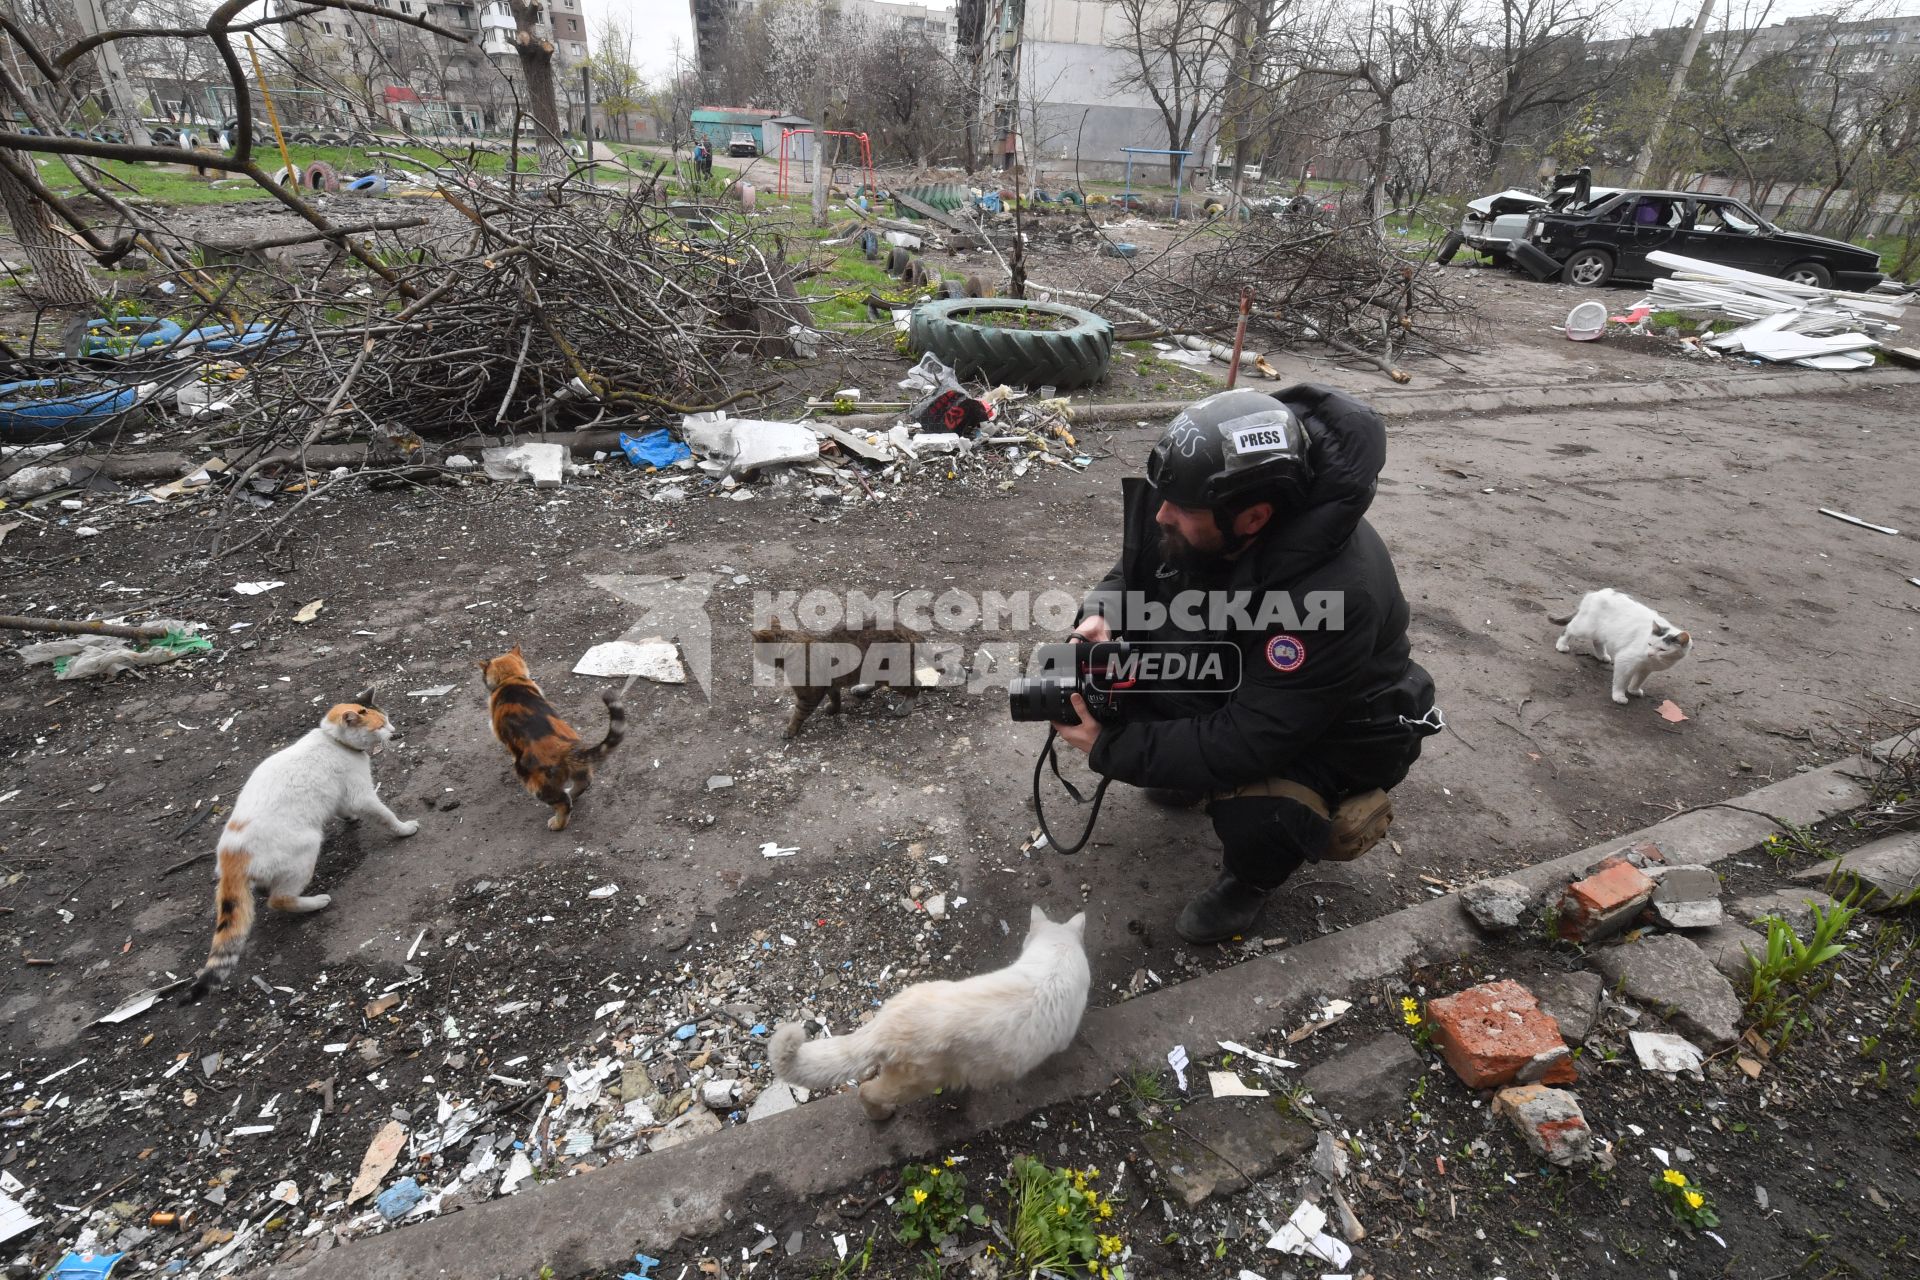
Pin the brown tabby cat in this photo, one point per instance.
(798, 662)
(547, 755)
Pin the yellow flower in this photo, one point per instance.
(1413, 1019)
(949, 1162)
(1106, 1209)
(1695, 1199)
(1092, 1172)
(1675, 1178)
(1109, 1244)
(919, 1195)
(1061, 1210)
(1093, 1197)
(1409, 1004)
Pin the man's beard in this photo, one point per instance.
(1181, 554)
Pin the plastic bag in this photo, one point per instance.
(655, 449)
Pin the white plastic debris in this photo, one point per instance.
(14, 1218)
(1227, 1084)
(652, 659)
(1232, 1046)
(1660, 1051)
(132, 1007)
(436, 691)
(759, 444)
(544, 464)
(256, 588)
(773, 849)
(604, 891)
(1177, 1059)
(1303, 1233)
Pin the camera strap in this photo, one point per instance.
(1049, 755)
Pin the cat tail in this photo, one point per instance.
(232, 923)
(821, 1064)
(616, 730)
(1559, 619)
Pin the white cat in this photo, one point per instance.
(272, 838)
(1614, 627)
(981, 1031)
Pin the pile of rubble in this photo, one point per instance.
(1775, 320)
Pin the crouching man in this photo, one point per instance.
(1249, 528)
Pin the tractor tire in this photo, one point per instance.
(1448, 247)
(962, 333)
(944, 196)
(899, 262)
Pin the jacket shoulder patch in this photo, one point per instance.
(1286, 653)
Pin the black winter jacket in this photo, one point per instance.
(1299, 687)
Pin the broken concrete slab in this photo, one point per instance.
(1550, 1120)
(1686, 897)
(1490, 1032)
(1368, 1082)
(1604, 903)
(1571, 999)
(1499, 905)
(693, 1123)
(1795, 906)
(1219, 1149)
(1889, 870)
(1671, 975)
(1726, 947)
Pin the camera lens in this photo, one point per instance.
(1044, 698)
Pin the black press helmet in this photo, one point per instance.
(1229, 451)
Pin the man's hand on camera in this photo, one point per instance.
(1082, 736)
(1094, 628)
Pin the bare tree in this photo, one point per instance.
(615, 77)
(1180, 53)
(535, 52)
(59, 269)
(1542, 68)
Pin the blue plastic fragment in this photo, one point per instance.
(990, 202)
(655, 449)
(686, 1032)
(646, 1265)
(84, 1266)
(758, 1029)
(398, 1200)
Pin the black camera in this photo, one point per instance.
(1097, 671)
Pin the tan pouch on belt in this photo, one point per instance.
(1359, 823)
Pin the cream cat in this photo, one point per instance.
(272, 838)
(981, 1031)
(1614, 627)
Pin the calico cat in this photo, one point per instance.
(985, 1030)
(1614, 627)
(799, 663)
(547, 755)
(272, 837)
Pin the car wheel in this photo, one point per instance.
(1588, 268)
(1448, 247)
(1809, 273)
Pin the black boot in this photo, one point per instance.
(1225, 910)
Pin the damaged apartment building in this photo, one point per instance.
(381, 72)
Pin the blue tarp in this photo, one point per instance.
(654, 449)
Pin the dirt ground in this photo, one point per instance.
(1806, 637)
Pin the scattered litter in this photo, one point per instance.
(604, 891)
(1587, 321)
(437, 691)
(1230, 1046)
(1227, 1084)
(656, 449)
(308, 612)
(14, 1218)
(85, 1266)
(651, 659)
(1177, 1059)
(374, 1165)
(1670, 712)
(772, 849)
(1841, 515)
(398, 1200)
(256, 588)
(132, 1007)
(1303, 1233)
(1661, 1051)
(1330, 1013)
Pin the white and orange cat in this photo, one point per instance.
(984, 1030)
(272, 838)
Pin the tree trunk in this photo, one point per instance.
(536, 67)
(1382, 157)
(820, 148)
(59, 274)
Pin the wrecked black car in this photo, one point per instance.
(1611, 239)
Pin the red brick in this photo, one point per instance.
(1488, 1033)
(1643, 855)
(1603, 903)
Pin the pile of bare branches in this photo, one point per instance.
(568, 305)
(1340, 286)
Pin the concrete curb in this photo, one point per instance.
(1586, 395)
(596, 1221)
